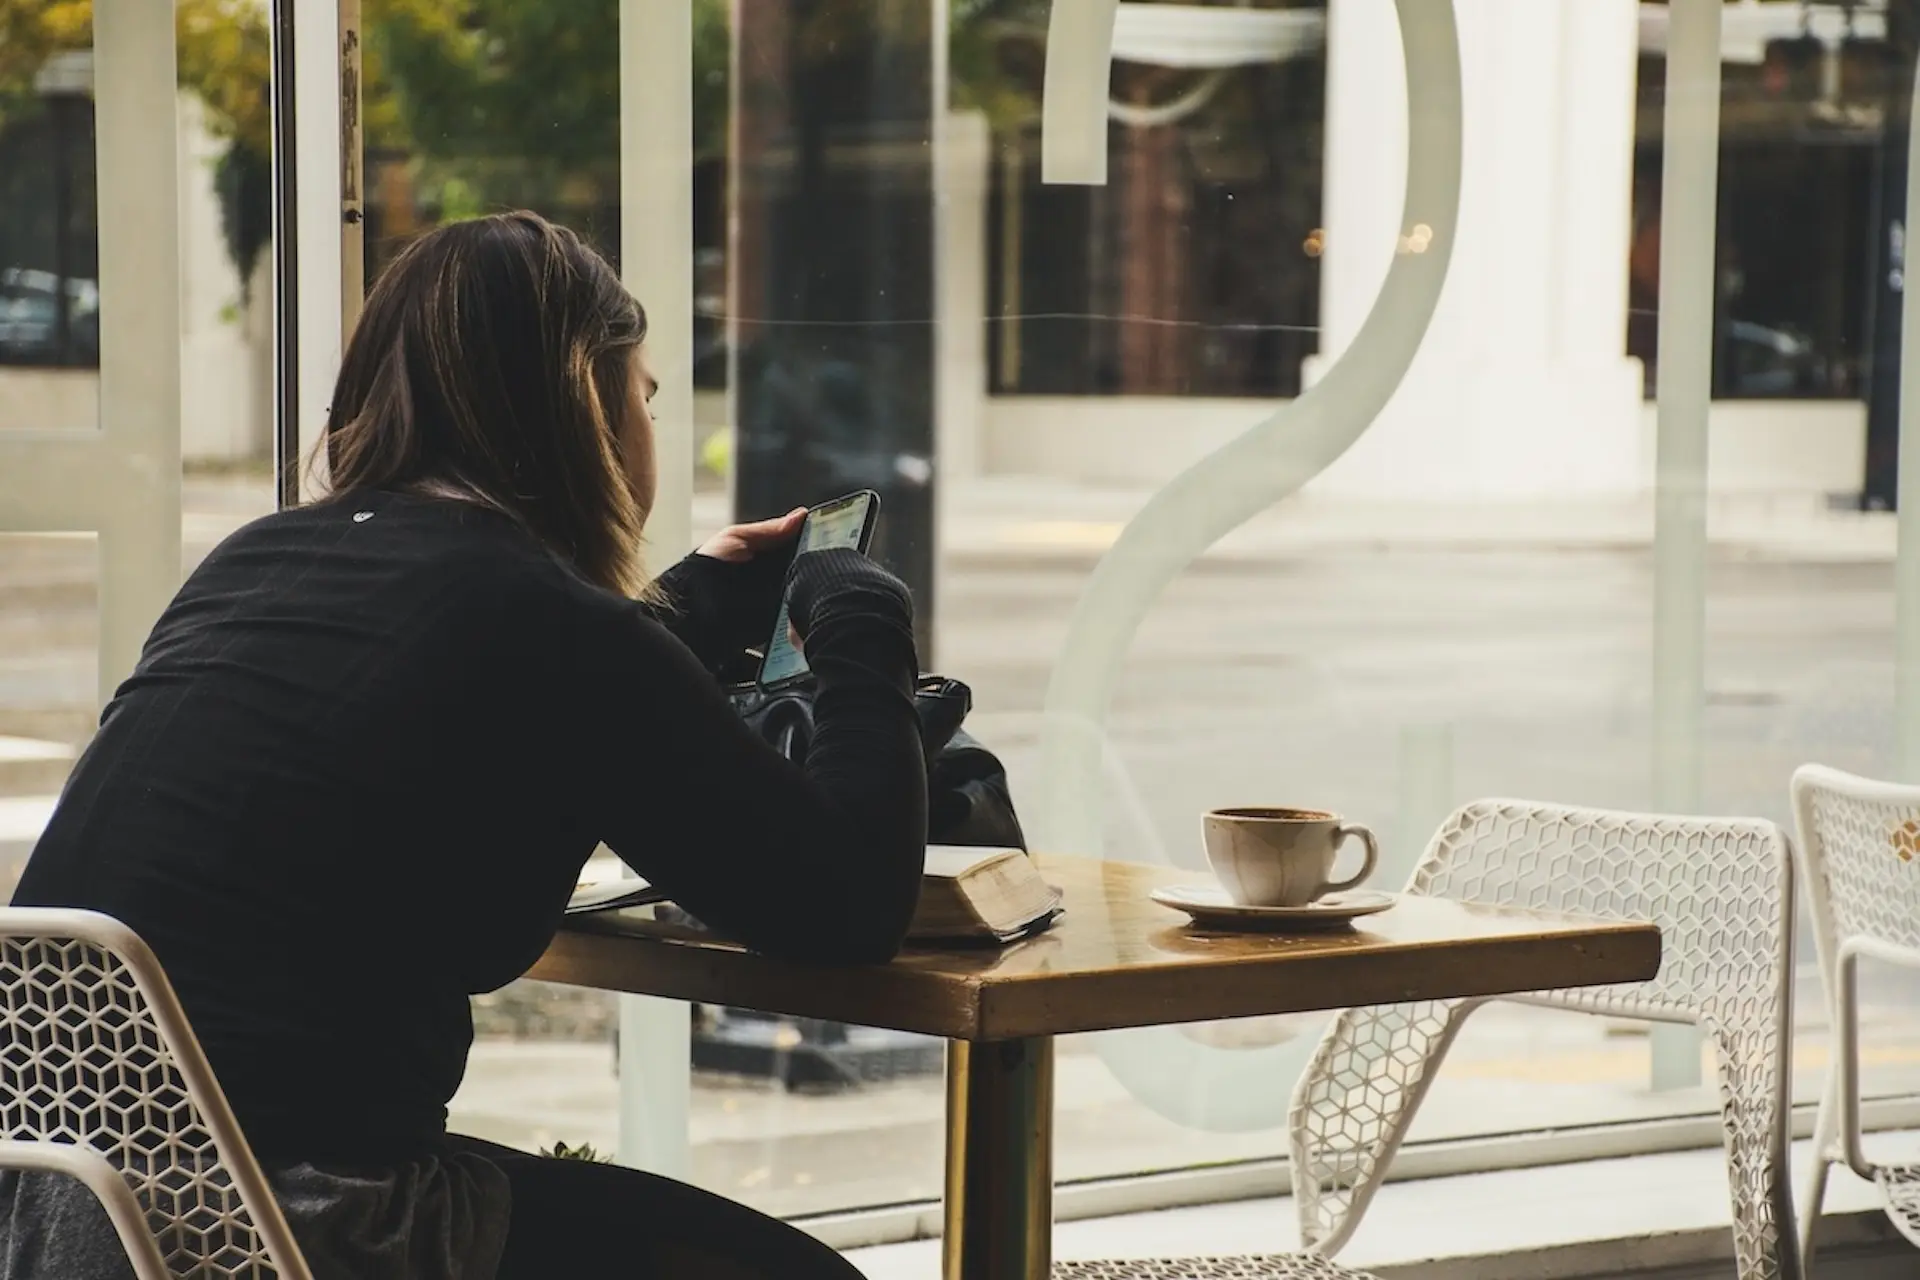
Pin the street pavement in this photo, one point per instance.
(1385, 661)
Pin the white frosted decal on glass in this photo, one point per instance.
(1188, 1082)
(1073, 100)
(1906, 582)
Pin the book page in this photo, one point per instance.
(950, 862)
(612, 893)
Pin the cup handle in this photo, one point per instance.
(1341, 834)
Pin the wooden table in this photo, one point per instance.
(1116, 959)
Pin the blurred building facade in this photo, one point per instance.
(1114, 333)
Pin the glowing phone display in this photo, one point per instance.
(844, 522)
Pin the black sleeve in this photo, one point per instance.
(818, 863)
(720, 608)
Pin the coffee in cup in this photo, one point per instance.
(1276, 857)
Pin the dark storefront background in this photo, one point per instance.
(833, 267)
(1194, 271)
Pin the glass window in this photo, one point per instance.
(1348, 647)
(1461, 605)
(49, 355)
(1194, 270)
(1458, 600)
(1810, 180)
(75, 605)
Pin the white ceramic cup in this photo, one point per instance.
(1275, 857)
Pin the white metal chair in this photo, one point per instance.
(1721, 892)
(1860, 860)
(102, 1079)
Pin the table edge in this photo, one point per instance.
(1018, 1005)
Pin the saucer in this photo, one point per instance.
(1210, 907)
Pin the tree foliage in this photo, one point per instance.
(496, 99)
(996, 54)
(478, 86)
(223, 57)
(226, 59)
(485, 89)
(501, 78)
(31, 32)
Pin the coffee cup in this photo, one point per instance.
(1277, 857)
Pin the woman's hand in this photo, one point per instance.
(842, 585)
(740, 543)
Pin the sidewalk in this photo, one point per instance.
(1010, 514)
(1019, 518)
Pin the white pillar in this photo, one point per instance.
(1906, 572)
(1522, 388)
(1689, 208)
(961, 195)
(219, 406)
(1365, 170)
(656, 262)
(317, 171)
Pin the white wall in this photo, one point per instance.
(1521, 387)
(1773, 448)
(225, 411)
(49, 399)
(961, 263)
(1119, 440)
(1787, 448)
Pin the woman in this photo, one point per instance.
(371, 743)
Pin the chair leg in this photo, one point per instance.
(1824, 1137)
(1356, 1102)
(1754, 1112)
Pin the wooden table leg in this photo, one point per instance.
(999, 1205)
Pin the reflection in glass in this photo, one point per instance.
(49, 261)
(1385, 648)
(1386, 653)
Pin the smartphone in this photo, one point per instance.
(844, 522)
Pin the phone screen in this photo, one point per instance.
(841, 523)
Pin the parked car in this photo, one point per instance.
(30, 330)
(1763, 362)
(814, 424)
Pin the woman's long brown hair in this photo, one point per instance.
(492, 362)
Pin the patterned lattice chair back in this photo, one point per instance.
(1861, 839)
(1721, 891)
(102, 1079)
(1860, 859)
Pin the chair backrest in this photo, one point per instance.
(1720, 889)
(1860, 859)
(1860, 842)
(96, 1056)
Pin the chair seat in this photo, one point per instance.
(1900, 1184)
(1270, 1266)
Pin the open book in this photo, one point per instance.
(966, 895)
(983, 895)
(612, 895)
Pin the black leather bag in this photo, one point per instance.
(968, 801)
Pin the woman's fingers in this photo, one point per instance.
(745, 541)
(771, 533)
